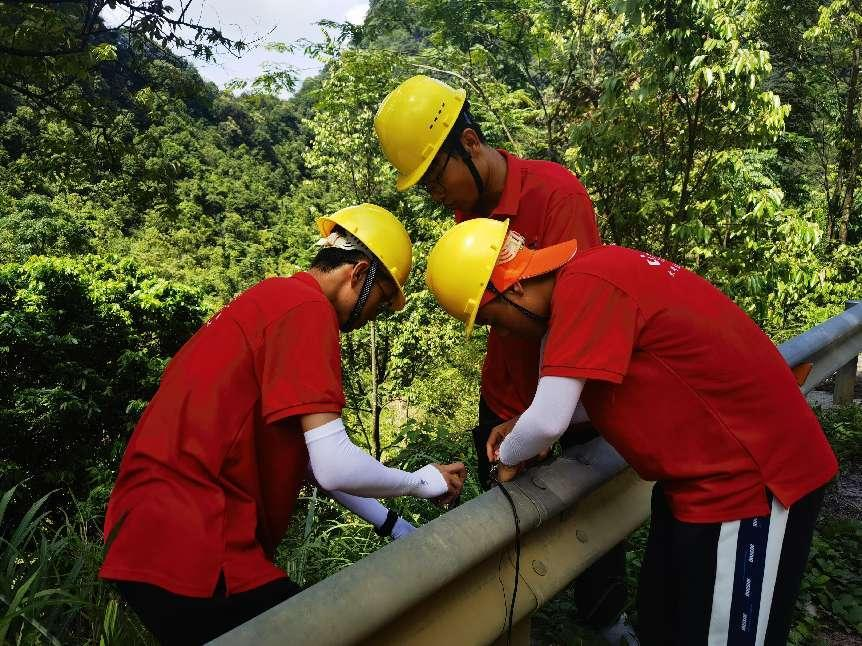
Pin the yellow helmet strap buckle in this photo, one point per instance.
(364, 293)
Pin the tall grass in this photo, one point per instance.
(49, 590)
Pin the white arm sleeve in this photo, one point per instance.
(370, 509)
(339, 465)
(544, 421)
(373, 511)
(580, 415)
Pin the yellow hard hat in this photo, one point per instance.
(382, 233)
(461, 263)
(412, 123)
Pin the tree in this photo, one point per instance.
(836, 39)
(384, 362)
(49, 51)
(82, 347)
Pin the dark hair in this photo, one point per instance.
(331, 258)
(465, 120)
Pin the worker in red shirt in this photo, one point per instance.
(248, 409)
(427, 132)
(689, 391)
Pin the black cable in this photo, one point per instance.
(508, 496)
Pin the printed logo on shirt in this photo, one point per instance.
(655, 261)
(651, 260)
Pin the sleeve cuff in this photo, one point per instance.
(582, 373)
(308, 408)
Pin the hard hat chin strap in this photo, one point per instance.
(467, 119)
(480, 185)
(364, 293)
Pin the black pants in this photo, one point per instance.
(175, 619)
(600, 591)
(731, 583)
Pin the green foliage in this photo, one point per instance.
(49, 593)
(52, 53)
(82, 346)
(843, 427)
(720, 134)
(187, 181)
(275, 79)
(39, 226)
(831, 591)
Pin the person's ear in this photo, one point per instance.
(357, 274)
(470, 140)
(517, 288)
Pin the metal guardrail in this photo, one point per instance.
(831, 347)
(451, 581)
(454, 576)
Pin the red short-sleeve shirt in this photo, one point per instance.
(211, 474)
(684, 385)
(546, 204)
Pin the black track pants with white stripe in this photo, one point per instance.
(732, 583)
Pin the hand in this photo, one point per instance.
(506, 473)
(454, 474)
(498, 434)
(541, 456)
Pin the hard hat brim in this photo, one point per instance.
(529, 263)
(498, 245)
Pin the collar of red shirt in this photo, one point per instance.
(510, 198)
(308, 279)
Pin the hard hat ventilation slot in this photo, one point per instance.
(439, 112)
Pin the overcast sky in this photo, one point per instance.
(249, 19)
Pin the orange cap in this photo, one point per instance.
(517, 262)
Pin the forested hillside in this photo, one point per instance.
(136, 199)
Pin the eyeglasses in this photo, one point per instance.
(432, 184)
(386, 299)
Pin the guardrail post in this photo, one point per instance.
(845, 378)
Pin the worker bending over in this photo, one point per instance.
(693, 395)
(246, 410)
